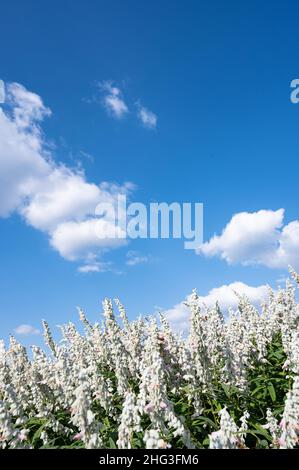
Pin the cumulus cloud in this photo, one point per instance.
(256, 238)
(27, 107)
(59, 197)
(113, 100)
(226, 297)
(50, 196)
(23, 160)
(26, 330)
(147, 117)
(78, 239)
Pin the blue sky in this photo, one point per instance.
(216, 76)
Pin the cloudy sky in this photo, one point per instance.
(158, 101)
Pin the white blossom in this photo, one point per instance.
(130, 372)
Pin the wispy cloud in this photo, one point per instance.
(257, 238)
(26, 330)
(113, 100)
(87, 156)
(147, 117)
(134, 257)
(95, 266)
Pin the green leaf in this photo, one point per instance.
(260, 387)
(36, 435)
(226, 390)
(262, 431)
(204, 420)
(112, 444)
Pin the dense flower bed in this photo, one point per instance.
(232, 383)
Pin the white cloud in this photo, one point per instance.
(133, 258)
(26, 330)
(23, 160)
(256, 238)
(113, 100)
(49, 196)
(147, 117)
(27, 107)
(61, 196)
(116, 106)
(178, 317)
(65, 195)
(225, 295)
(90, 268)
